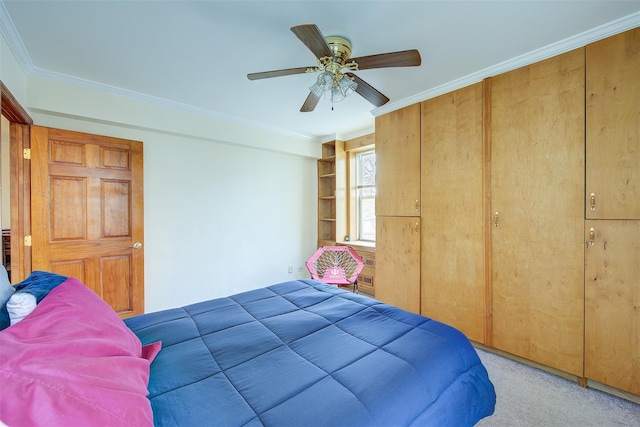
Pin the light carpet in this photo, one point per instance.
(527, 396)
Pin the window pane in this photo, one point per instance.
(366, 195)
(368, 220)
(367, 168)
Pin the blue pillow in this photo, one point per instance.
(39, 284)
(29, 293)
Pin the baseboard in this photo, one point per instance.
(589, 383)
(531, 363)
(614, 391)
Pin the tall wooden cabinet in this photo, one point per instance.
(612, 229)
(529, 211)
(452, 214)
(398, 208)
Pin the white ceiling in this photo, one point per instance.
(195, 55)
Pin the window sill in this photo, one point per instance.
(359, 244)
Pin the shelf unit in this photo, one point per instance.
(331, 193)
(6, 251)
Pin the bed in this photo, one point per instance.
(298, 353)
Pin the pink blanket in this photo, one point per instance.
(73, 362)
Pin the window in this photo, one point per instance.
(366, 195)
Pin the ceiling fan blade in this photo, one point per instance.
(405, 58)
(310, 35)
(310, 103)
(278, 73)
(368, 92)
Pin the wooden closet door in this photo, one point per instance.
(612, 303)
(398, 162)
(398, 262)
(452, 279)
(87, 213)
(537, 193)
(613, 130)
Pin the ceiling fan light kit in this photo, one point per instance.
(336, 71)
(339, 86)
(332, 79)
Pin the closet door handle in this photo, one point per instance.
(592, 236)
(592, 201)
(496, 219)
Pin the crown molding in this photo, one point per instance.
(598, 33)
(10, 34)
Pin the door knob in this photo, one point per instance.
(136, 245)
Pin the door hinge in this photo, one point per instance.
(26, 153)
(27, 241)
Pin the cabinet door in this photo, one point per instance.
(613, 131)
(398, 262)
(398, 162)
(452, 278)
(612, 286)
(537, 188)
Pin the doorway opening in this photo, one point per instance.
(15, 192)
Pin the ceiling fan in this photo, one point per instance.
(336, 67)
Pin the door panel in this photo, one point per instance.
(452, 268)
(613, 131)
(612, 283)
(398, 162)
(398, 262)
(87, 211)
(537, 193)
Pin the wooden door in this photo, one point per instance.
(398, 262)
(452, 278)
(398, 162)
(613, 127)
(612, 330)
(87, 213)
(537, 198)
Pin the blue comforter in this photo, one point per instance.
(303, 353)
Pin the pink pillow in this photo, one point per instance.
(73, 361)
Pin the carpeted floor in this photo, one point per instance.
(527, 396)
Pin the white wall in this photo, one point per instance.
(11, 73)
(227, 207)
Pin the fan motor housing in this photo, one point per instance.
(340, 47)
